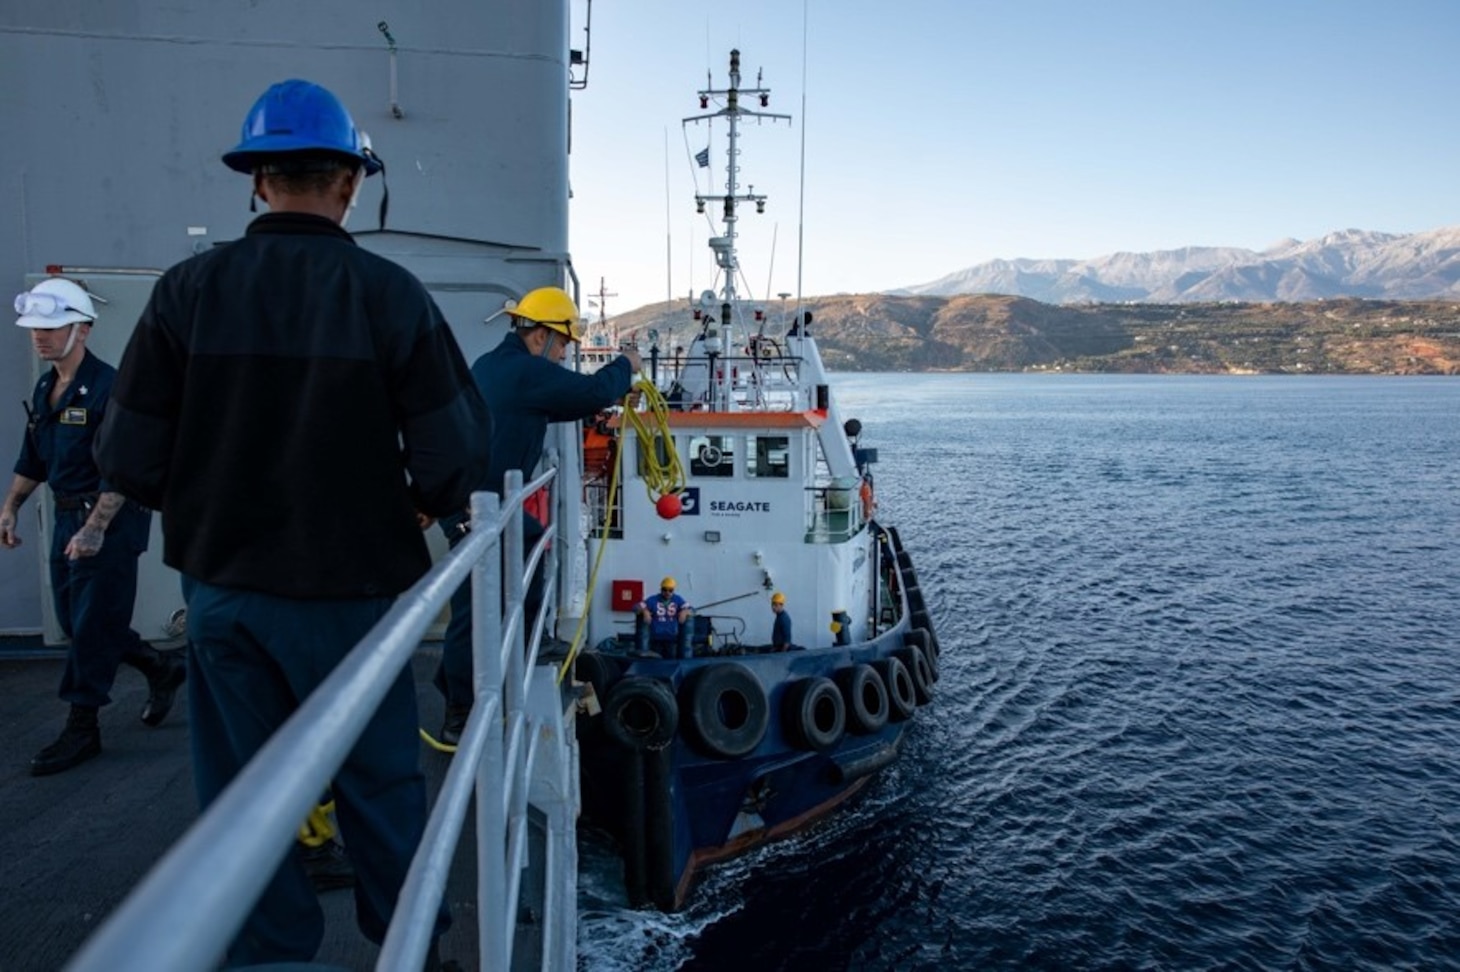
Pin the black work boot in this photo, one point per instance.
(165, 671)
(434, 962)
(328, 866)
(454, 724)
(78, 742)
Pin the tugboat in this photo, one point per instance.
(600, 343)
(737, 480)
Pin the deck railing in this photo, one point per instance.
(770, 382)
(184, 913)
(834, 513)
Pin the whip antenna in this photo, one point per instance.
(801, 203)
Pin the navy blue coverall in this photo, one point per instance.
(93, 596)
(524, 392)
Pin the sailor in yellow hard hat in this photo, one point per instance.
(662, 622)
(547, 320)
(781, 628)
(525, 388)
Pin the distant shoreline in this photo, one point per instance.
(998, 333)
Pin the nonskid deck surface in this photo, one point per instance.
(75, 844)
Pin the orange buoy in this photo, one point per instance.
(668, 506)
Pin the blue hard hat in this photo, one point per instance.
(299, 116)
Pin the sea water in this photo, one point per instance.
(1199, 704)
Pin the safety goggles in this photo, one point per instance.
(30, 304)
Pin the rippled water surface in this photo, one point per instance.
(1200, 695)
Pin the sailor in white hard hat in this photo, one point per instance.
(97, 535)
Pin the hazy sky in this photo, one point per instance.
(944, 133)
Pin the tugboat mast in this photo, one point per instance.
(604, 331)
(733, 111)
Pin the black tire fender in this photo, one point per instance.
(641, 713)
(813, 714)
(726, 710)
(914, 594)
(865, 696)
(935, 651)
(599, 671)
(917, 666)
(902, 698)
(923, 640)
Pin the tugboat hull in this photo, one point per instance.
(699, 760)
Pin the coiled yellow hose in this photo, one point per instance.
(662, 471)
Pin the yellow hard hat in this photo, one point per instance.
(778, 598)
(552, 308)
(667, 584)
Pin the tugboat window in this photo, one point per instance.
(712, 455)
(768, 456)
(659, 457)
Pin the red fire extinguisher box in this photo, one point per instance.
(627, 593)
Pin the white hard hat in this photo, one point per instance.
(54, 303)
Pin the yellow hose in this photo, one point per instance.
(317, 829)
(661, 476)
(436, 744)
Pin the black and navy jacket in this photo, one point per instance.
(525, 392)
(289, 401)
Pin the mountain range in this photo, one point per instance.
(1346, 263)
(1352, 302)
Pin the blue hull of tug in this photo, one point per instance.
(664, 771)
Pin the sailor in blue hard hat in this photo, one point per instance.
(298, 128)
(292, 402)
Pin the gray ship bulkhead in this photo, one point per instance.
(117, 114)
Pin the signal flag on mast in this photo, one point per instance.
(703, 157)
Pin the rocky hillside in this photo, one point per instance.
(875, 332)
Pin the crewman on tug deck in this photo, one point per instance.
(781, 628)
(663, 622)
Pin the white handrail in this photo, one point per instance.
(184, 913)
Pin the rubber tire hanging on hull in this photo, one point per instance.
(641, 713)
(917, 666)
(917, 608)
(726, 711)
(813, 714)
(599, 671)
(922, 640)
(866, 698)
(901, 693)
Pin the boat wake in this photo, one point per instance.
(614, 937)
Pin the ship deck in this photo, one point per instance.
(75, 844)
